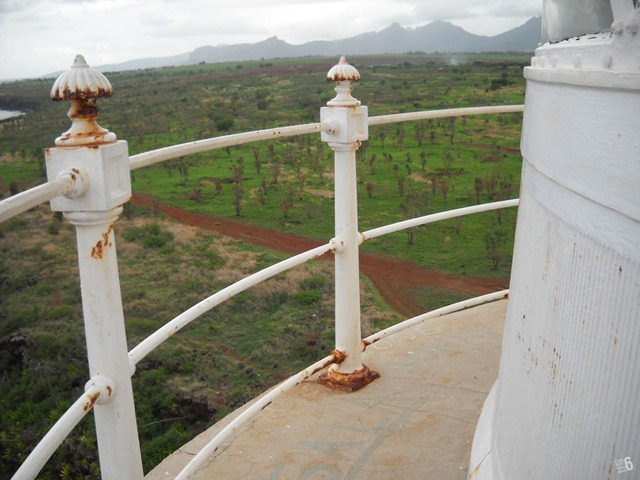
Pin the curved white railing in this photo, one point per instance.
(198, 146)
(71, 183)
(66, 184)
(97, 390)
(437, 217)
(204, 455)
(182, 320)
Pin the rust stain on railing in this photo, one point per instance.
(93, 398)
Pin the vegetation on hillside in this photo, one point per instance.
(259, 337)
(211, 367)
(404, 170)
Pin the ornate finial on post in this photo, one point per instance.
(343, 74)
(82, 85)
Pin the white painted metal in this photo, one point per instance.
(565, 404)
(204, 455)
(447, 112)
(210, 449)
(116, 428)
(82, 85)
(454, 307)
(96, 391)
(90, 184)
(167, 153)
(64, 184)
(436, 217)
(105, 168)
(349, 121)
(182, 320)
(105, 173)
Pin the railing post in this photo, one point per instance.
(102, 163)
(348, 128)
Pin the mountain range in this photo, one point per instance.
(437, 36)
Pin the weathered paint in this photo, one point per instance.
(350, 129)
(98, 250)
(565, 402)
(343, 72)
(92, 399)
(81, 83)
(348, 382)
(82, 86)
(92, 213)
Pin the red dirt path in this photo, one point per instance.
(395, 279)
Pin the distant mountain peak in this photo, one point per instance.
(437, 36)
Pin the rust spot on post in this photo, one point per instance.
(97, 251)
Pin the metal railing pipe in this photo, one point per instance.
(98, 389)
(182, 320)
(454, 307)
(211, 448)
(449, 112)
(436, 217)
(23, 201)
(255, 408)
(175, 151)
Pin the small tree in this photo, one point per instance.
(420, 129)
(382, 135)
(445, 184)
(217, 184)
(494, 240)
(238, 193)
(369, 186)
(412, 207)
(401, 180)
(256, 159)
(183, 169)
(237, 170)
(477, 186)
(286, 201)
(423, 159)
(372, 164)
(261, 193)
(276, 170)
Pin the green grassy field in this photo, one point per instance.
(403, 169)
(244, 346)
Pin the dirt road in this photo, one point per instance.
(395, 279)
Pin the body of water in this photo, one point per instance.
(4, 114)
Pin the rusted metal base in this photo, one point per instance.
(348, 382)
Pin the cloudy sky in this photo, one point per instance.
(42, 36)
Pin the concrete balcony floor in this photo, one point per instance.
(415, 422)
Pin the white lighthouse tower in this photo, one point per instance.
(566, 404)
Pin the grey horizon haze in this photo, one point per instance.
(38, 37)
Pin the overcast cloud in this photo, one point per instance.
(42, 36)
